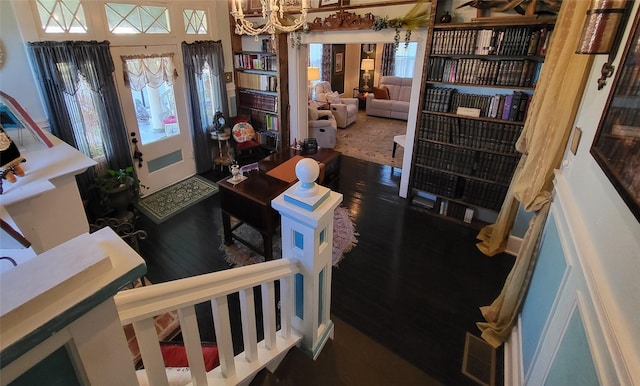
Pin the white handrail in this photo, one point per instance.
(138, 306)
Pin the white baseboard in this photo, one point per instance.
(513, 375)
(513, 245)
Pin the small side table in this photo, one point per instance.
(222, 138)
(362, 97)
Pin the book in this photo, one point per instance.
(515, 105)
(507, 107)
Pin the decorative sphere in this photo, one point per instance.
(307, 170)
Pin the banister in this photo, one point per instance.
(148, 301)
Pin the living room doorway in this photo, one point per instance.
(356, 38)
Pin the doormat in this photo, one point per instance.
(172, 200)
(479, 360)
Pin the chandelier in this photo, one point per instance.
(273, 13)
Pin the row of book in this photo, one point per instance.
(629, 81)
(489, 166)
(521, 73)
(253, 100)
(257, 81)
(469, 190)
(446, 158)
(484, 194)
(510, 107)
(495, 167)
(256, 62)
(482, 135)
(455, 210)
(509, 41)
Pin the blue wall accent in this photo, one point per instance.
(544, 286)
(166, 160)
(54, 370)
(299, 295)
(521, 223)
(320, 295)
(298, 240)
(573, 363)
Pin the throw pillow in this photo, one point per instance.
(313, 113)
(334, 98)
(322, 97)
(381, 93)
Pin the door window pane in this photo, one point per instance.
(151, 85)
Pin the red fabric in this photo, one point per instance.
(175, 355)
(247, 145)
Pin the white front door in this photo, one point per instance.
(155, 113)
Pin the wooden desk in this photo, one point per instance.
(250, 200)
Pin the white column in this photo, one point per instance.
(307, 210)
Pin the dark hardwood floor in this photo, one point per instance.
(402, 299)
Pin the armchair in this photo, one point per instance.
(322, 126)
(345, 110)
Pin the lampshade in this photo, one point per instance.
(601, 26)
(367, 64)
(313, 73)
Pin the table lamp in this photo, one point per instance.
(366, 66)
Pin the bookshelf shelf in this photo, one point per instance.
(257, 92)
(486, 119)
(261, 80)
(480, 80)
(514, 155)
(524, 88)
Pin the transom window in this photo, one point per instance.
(195, 21)
(61, 16)
(135, 19)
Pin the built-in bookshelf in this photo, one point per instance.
(260, 74)
(480, 81)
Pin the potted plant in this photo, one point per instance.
(118, 190)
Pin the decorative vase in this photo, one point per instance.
(446, 18)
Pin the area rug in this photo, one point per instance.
(170, 201)
(370, 138)
(238, 254)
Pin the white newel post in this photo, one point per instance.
(307, 210)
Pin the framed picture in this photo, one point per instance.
(292, 5)
(616, 146)
(330, 3)
(254, 6)
(339, 62)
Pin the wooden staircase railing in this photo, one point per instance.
(138, 306)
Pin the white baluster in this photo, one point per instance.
(192, 344)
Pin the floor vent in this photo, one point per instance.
(479, 361)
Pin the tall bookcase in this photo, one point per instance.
(480, 79)
(261, 79)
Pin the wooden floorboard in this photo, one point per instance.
(413, 284)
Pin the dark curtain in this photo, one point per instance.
(388, 59)
(195, 55)
(326, 63)
(58, 66)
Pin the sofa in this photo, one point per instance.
(322, 126)
(392, 100)
(345, 110)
